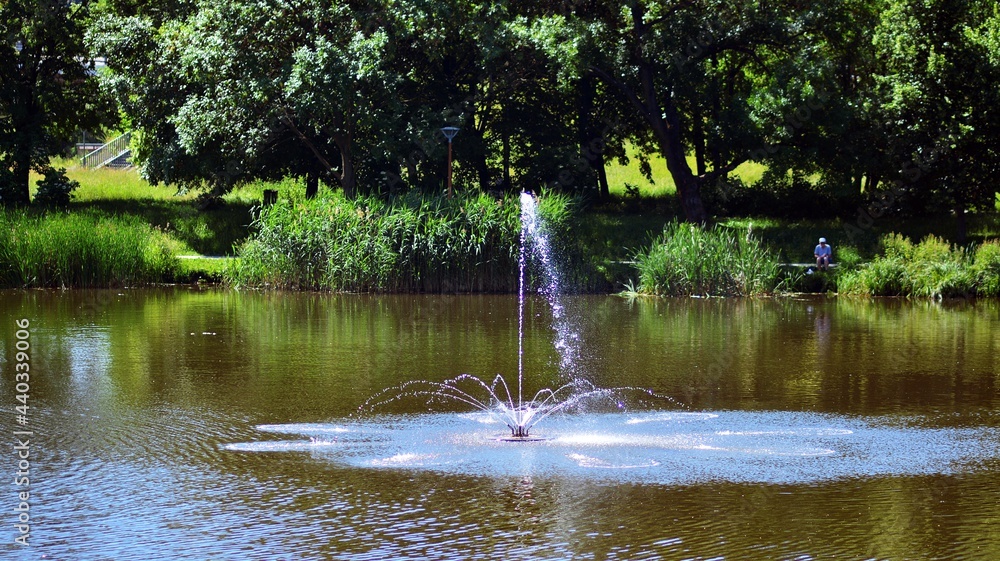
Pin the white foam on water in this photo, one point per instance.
(671, 416)
(279, 446)
(600, 463)
(670, 447)
(304, 428)
(404, 460)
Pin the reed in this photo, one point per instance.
(409, 244)
(931, 269)
(688, 260)
(62, 249)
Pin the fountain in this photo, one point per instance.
(499, 401)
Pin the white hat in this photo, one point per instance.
(822, 240)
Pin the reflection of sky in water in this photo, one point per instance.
(656, 447)
(89, 351)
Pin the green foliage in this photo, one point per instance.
(55, 189)
(848, 257)
(986, 268)
(935, 90)
(47, 88)
(691, 260)
(894, 102)
(411, 244)
(931, 269)
(73, 250)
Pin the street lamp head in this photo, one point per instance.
(449, 132)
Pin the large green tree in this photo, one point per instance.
(235, 90)
(937, 93)
(688, 69)
(48, 91)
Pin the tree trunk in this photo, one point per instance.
(699, 143)
(666, 127)
(665, 123)
(20, 193)
(961, 223)
(592, 144)
(346, 176)
(602, 177)
(312, 185)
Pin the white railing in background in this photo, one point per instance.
(108, 153)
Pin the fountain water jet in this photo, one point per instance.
(500, 402)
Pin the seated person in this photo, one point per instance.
(823, 253)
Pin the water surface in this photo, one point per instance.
(204, 424)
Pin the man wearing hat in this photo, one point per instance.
(823, 252)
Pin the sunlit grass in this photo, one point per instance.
(620, 175)
(60, 249)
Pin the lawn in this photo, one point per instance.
(213, 231)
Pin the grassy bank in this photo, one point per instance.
(212, 230)
(459, 248)
(932, 268)
(410, 244)
(73, 250)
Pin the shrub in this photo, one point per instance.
(847, 258)
(933, 268)
(986, 268)
(55, 189)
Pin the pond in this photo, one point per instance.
(188, 423)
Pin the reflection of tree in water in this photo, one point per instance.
(821, 326)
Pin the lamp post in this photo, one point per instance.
(449, 133)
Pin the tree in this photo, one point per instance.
(938, 92)
(243, 89)
(48, 91)
(688, 71)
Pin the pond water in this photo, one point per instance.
(209, 424)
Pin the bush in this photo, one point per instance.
(933, 268)
(986, 268)
(847, 258)
(55, 189)
(691, 260)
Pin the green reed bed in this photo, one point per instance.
(687, 260)
(410, 244)
(932, 268)
(60, 249)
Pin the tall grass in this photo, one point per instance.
(931, 269)
(411, 244)
(689, 260)
(73, 250)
